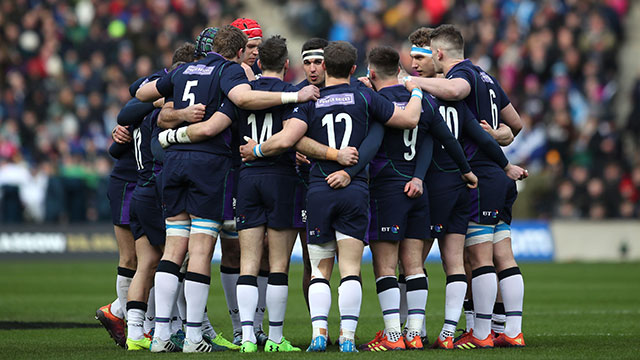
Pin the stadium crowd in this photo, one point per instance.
(65, 70)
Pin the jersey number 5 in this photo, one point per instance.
(328, 121)
(188, 95)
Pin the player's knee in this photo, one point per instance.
(318, 253)
(205, 226)
(178, 228)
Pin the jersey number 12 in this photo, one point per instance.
(329, 121)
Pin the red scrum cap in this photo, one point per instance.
(249, 27)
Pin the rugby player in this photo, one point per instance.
(312, 57)
(230, 260)
(338, 207)
(266, 192)
(399, 209)
(488, 235)
(122, 182)
(252, 29)
(194, 174)
(448, 197)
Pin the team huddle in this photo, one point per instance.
(219, 145)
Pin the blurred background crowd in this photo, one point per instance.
(65, 68)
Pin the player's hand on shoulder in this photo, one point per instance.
(246, 150)
(348, 156)
(301, 159)
(307, 93)
(338, 179)
(515, 172)
(471, 179)
(366, 81)
(120, 134)
(414, 188)
(410, 85)
(195, 112)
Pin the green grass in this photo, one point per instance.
(571, 311)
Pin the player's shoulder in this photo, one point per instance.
(272, 84)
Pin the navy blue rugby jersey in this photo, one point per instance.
(396, 158)
(464, 127)
(260, 125)
(206, 81)
(457, 116)
(485, 101)
(148, 167)
(340, 118)
(125, 165)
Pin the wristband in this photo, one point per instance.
(331, 154)
(416, 92)
(289, 97)
(257, 151)
(182, 136)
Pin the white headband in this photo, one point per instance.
(313, 54)
(421, 50)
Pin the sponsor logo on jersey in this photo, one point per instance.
(336, 99)
(199, 69)
(486, 78)
(315, 232)
(491, 213)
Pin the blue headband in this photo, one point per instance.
(416, 50)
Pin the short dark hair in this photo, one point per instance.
(185, 53)
(273, 53)
(449, 34)
(339, 58)
(385, 60)
(228, 40)
(314, 43)
(421, 37)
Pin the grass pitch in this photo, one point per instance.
(571, 311)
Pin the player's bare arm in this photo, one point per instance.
(408, 117)
(195, 132)
(503, 134)
(148, 92)
(248, 99)
(276, 144)
(311, 148)
(445, 89)
(509, 115)
(170, 117)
